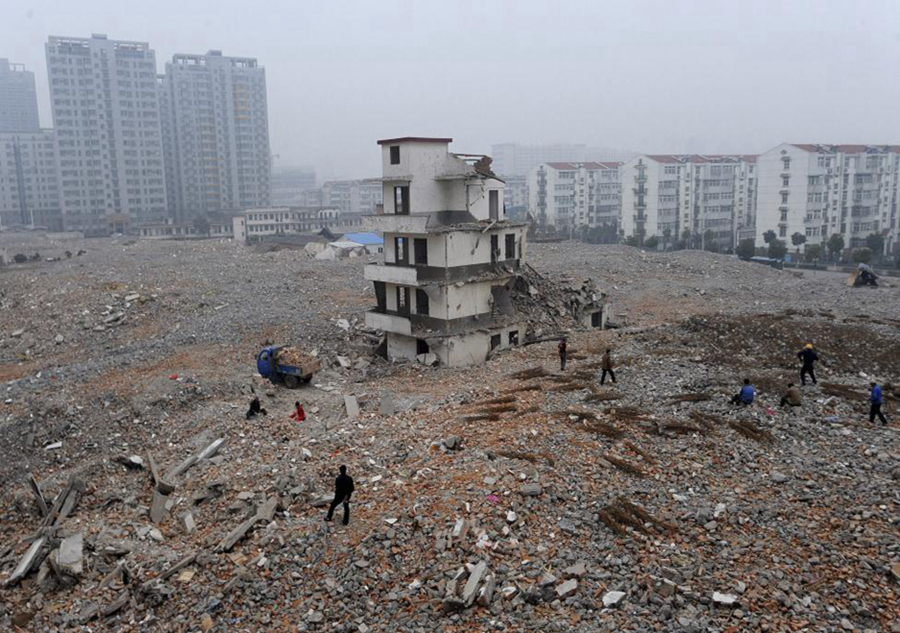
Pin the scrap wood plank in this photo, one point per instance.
(171, 571)
(206, 453)
(161, 484)
(27, 562)
(38, 495)
(65, 502)
(264, 513)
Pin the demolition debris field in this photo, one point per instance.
(504, 497)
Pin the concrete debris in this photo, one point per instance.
(351, 407)
(612, 598)
(725, 599)
(169, 376)
(69, 557)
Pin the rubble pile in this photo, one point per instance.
(139, 496)
(553, 304)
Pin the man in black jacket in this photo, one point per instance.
(343, 488)
(807, 356)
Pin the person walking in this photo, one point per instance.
(299, 414)
(876, 398)
(563, 344)
(606, 365)
(343, 488)
(746, 394)
(792, 397)
(807, 356)
(255, 408)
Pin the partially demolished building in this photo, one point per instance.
(447, 288)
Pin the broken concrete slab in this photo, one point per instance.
(567, 588)
(612, 598)
(70, 555)
(351, 406)
(264, 513)
(116, 605)
(531, 489)
(387, 406)
(486, 595)
(159, 509)
(187, 523)
(576, 571)
(724, 599)
(469, 592)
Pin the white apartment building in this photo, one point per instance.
(216, 125)
(573, 195)
(450, 255)
(29, 180)
(106, 116)
(820, 190)
(515, 196)
(18, 99)
(664, 195)
(260, 222)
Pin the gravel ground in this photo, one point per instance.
(650, 504)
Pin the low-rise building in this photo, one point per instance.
(821, 190)
(254, 224)
(450, 255)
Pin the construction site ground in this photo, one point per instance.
(560, 504)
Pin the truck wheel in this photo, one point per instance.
(290, 381)
(306, 379)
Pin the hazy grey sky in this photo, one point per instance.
(653, 76)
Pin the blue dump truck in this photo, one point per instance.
(289, 365)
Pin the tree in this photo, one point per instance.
(631, 240)
(709, 241)
(798, 239)
(813, 252)
(201, 225)
(835, 244)
(875, 242)
(667, 233)
(862, 255)
(769, 236)
(651, 242)
(746, 249)
(777, 249)
(685, 239)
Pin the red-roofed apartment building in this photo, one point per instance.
(695, 196)
(571, 195)
(820, 190)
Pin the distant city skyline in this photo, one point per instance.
(646, 75)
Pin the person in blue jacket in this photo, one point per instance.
(876, 398)
(746, 394)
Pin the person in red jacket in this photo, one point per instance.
(299, 415)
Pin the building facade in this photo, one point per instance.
(515, 197)
(29, 180)
(106, 115)
(18, 99)
(217, 152)
(570, 195)
(822, 190)
(694, 197)
(254, 224)
(450, 255)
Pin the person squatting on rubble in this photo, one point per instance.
(792, 397)
(876, 398)
(745, 396)
(343, 488)
(255, 408)
(606, 365)
(299, 414)
(807, 356)
(562, 354)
